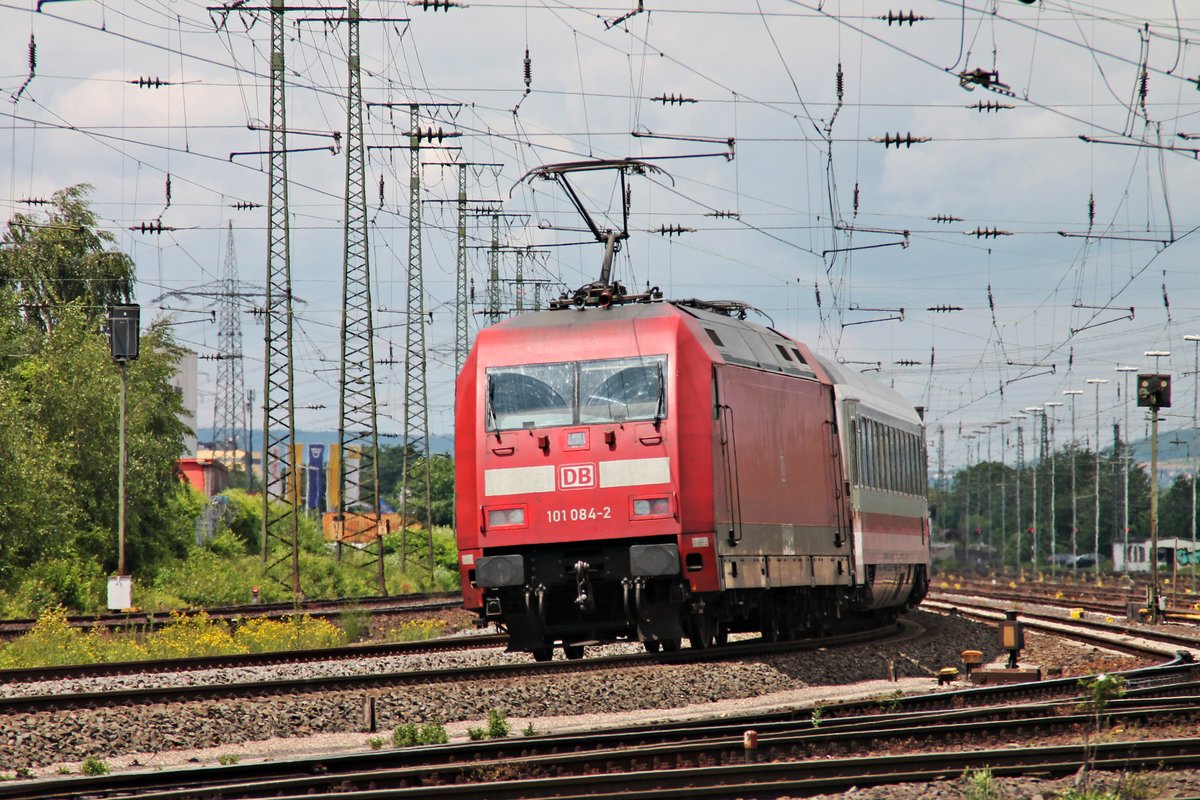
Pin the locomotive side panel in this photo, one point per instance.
(776, 482)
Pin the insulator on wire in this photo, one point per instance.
(34, 201)
(944, 309)
(987, 233)
(840, 82)
(817, 291)
(1143, 87)
(945, 218)
(528, 71)
(436, 5)
(1091, 210)
(381, 191)
(246, 205)
(155, 227)
(673, 99)
(907, 362)
(908, 140)
(433, 134)
(32, 68)
(902, 18)
(673, 230)
(724, 214)
(150, 83)
(168, 190)
(856, 197)
(986, 106)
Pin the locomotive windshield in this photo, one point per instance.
(576, 393)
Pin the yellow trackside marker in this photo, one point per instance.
(1076, 613)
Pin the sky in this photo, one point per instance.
(1036, 227)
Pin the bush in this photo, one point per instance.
(497, 724)
(408, 734)
(228, 759)
(376, 742)
(476, 734)
(94, 766)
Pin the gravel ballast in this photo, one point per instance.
(39, 739)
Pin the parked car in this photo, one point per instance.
(1085, 561)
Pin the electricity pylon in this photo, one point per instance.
(228, 399)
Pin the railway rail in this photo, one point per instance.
(149, 620)
(1110, 600)
(234, 691)
(795, 753)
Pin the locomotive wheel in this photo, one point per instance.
(652, 645)
(543, 653)
(722, 635)
(701, 631)
(573, 652)
(671, 645)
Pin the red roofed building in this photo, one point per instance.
(209, 476)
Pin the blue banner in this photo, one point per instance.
(316, 476)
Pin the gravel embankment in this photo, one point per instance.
(39, 739)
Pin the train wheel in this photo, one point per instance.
(671, 645)
(652, 645)
(573, 652)
(701, 631)
(722, 635)
(543, 653)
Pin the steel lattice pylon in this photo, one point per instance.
(461, 301)
(228, 422)
(357, 426)
(280, 477)
(493, 287)
(417, 546)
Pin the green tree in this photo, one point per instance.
(61, 258)
(59, 410)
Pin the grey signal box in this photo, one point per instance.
(123, 332)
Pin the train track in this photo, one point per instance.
(236, 691)
(1143, 641)
(141, 621)
(1113, 601)
(795, 753)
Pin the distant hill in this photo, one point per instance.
(437, 443)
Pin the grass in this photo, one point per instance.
(53, 641)
(416, 630)
(980, 785)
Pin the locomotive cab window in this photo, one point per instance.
(575, 393)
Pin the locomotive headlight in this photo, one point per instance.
(506, 517)
(652, 507)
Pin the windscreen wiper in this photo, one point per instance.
(662, 397)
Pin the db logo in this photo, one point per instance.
(577, 476)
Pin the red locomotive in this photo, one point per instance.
(651, 470)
